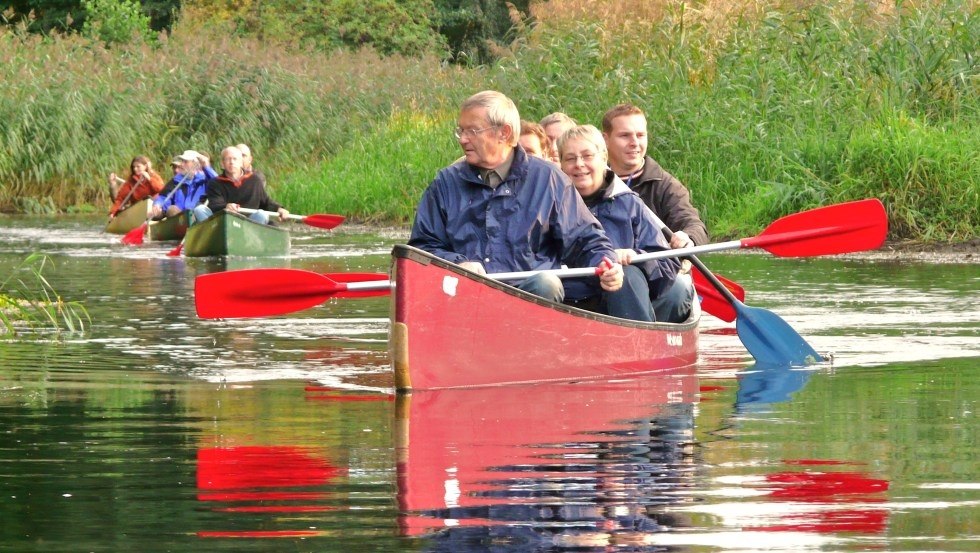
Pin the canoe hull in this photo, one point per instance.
(129, 218)
(451, 328)
(231, 234)
(169, 228)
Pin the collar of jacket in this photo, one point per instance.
(235, 183)
(518, 169)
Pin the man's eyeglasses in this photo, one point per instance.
(460, 132)
(573, 159)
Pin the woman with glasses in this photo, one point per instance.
(629, 223)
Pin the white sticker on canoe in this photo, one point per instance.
(675, 340)
(449, 285)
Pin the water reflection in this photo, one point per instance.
(556, 466)
(263, 479)
(761, 385)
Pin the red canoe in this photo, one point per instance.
(452, 328)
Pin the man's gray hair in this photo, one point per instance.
(500, 111)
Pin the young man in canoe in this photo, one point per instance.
(143, 182)
(189, 182)
(624, 128)
(500, 210)
(235, 189)
(629, 223)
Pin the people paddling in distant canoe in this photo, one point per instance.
(235, 189)
(624, 128)
(555, 125)
(187, 189)
(143, 182)
(629, 224)
(499, 209)
(534, 140)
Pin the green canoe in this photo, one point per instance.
(129, 218)
(235, 235)
(170, 228)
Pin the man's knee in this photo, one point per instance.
(544, 285)
(674, 305)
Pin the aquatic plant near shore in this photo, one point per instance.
(29, 302)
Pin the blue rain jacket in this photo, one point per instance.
(534, 220)
(630, 224)
(188, 196)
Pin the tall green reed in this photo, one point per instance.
(761, 107)
(28, 303)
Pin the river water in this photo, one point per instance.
(154, 430)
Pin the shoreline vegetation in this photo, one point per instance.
(762, 108)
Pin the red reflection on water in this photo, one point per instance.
(246, 472)
(260, 467)
(461, 449)
(827, 488)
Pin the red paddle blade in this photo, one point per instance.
(261, 292)
(347, 278)
(711, 299)
(135, 236)
(176, 251)
(841, 228)
(323, 221)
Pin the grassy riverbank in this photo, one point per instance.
(761, 108)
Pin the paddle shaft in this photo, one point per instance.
(132, 189)
(700, 265)
(249, 211)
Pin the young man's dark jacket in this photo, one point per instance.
(670, 200)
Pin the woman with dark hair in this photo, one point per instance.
(143, 182)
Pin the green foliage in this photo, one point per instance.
(378, 177)
(28, 302)
(761, 109)
(115, 21)
(476, 30)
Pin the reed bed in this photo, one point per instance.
(761, 107)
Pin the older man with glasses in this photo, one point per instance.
(500, 210)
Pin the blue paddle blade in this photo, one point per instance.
(761, 385)
(771, 340)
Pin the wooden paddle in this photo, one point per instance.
(320, 220)
(836, 229)
(135, 236)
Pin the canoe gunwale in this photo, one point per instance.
(423, 258)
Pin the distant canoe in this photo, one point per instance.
(170, 228)
(129, 218)
(235, 235)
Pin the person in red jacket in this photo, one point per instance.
(143, 182)
(235, 189)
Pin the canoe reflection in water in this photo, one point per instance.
(546, 466)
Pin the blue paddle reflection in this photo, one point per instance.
(761, 385)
